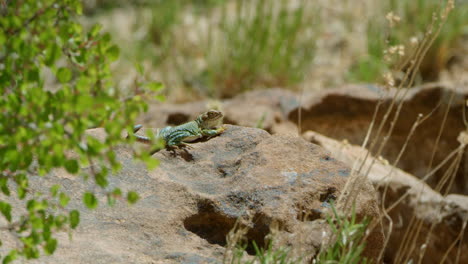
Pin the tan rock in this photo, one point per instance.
(441, 220)
(346, 113)
(192, 200)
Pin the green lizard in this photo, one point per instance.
(208, 124)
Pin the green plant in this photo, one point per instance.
(164, 16)
(159, 38)
(270, 255)
(348, 245)
(237, 45)
(406, 23)
(267, 43)
(345, 246)
(43, 127)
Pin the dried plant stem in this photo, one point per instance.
(460, 235)
(444, 120)
(442, 163)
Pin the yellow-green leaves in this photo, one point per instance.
(154, 86)
(72, 166)
(63, 199)
(90, 200)
(74, 218)
(95, 31)
(5, 209)
(113, 53)
(132, 197)
(45, 128)
(50, 246)
(63, 75)
(52, 53)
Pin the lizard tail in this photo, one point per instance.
(139, 138)
(142, 139)
(136, 128)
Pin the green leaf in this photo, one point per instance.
(64, 199)
(90, 200)
(34, 205)
(154, 86)
(132, 197)
(95, 30)
(74, 219)
(4, 186)
(21, 191)
(5, 209)
(113, 52)
(160, 97)
(33, 75)
(139, 68)
(53, 52)
(101, 179)
(31, 252)
(64, 75)
(2, 38)
(72, 166)
(50, 246)
(117, 192)
(54, 190)
(60, 220)
(10, 257)
(151, 163)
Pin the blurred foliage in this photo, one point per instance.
(218, 48)
(241, 46)
(268, 43)
(55, 83)
(417, 19)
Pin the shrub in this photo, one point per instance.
(55, 84)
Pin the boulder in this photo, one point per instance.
(346, 113)
(437, 224)
(193, 199)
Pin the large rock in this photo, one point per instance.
(437, 224)
(193, 199)
(346, 113)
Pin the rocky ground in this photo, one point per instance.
(338, 120)
(282, 174)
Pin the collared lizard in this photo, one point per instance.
(208, 124)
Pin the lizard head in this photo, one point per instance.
(210, 119)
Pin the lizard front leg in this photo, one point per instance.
(213, 132)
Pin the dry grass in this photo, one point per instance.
(409, 65)
(377, 139)
(219, 48)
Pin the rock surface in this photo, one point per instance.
(346, 113)
(441, 220)
(193, 199)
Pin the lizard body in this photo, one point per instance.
(208, 124)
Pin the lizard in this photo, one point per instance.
(208, 124)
